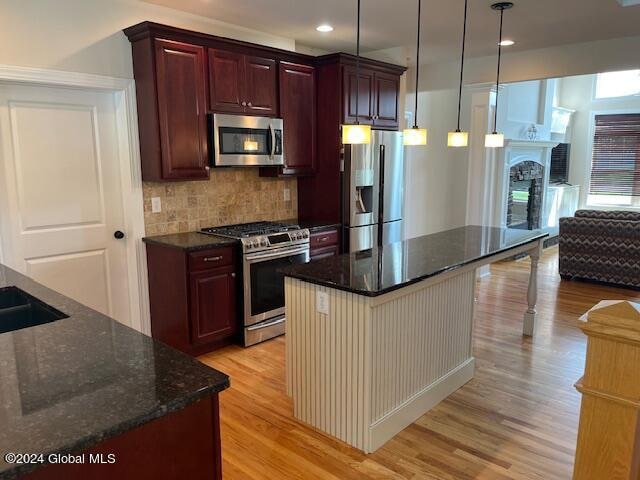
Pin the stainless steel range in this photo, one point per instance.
(266, 248)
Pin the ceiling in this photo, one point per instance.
(390, 24)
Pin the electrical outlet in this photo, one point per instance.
(156, 205)
(322, 302)
(287, 195)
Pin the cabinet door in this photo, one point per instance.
(298, 109)
(365, 98)
(182, 108)
(213, 305)
(387, 91)
(261, 92)
(226, 81)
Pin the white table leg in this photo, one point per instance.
(532, 292)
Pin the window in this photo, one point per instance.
(615, 166)
(618, 84)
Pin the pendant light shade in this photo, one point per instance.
(459, 138)
(416, 136)
(357, 134)
(495, 139)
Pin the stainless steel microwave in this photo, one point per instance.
(245, 141)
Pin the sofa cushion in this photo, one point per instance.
(609, 214)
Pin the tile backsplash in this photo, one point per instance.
(232, 195)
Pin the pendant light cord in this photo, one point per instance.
(415, 111)
(464, 36)
(495, 113)
(358, 64)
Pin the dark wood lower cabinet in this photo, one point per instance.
(213, 305)
(193, 297)
(182, 444)
(324, 244)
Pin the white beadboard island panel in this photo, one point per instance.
(373, 365)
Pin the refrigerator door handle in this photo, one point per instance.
(381, 159)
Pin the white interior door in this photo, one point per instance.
(62, 198)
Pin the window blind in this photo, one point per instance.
(615, 168)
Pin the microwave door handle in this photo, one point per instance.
(272, 137)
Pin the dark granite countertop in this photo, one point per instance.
(190, 241)
(390, 267)
(70, 384)
(314, 225)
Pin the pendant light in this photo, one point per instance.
(416, 135)
(459, 138)
(495, 139)
(357, 134)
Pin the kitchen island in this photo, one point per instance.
(376, 338)
(78, 389)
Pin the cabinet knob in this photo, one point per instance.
(250, 104)
(244, 104)
(233, 275)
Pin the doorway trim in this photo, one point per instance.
(130, 170)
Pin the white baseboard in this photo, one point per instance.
(404, 415)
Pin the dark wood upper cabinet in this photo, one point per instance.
(226, 81)
(319, 195)
(171, 93)
(242, 83)
(182, 108)
(365, 96)
(213, 305)
(378, 99)
(182, 75)
(261, 86)
(386, 100)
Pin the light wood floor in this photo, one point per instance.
(517, 419)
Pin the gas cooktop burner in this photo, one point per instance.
(245, 230)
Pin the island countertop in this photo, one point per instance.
(72, 383)
(393, 266)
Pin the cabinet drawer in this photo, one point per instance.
(325, 252)
(323, 239)
(208, 259)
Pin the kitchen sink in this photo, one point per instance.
(19, 310)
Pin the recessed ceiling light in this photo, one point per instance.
(324, 28)
(507, 43)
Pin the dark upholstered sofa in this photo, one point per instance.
(602, 246)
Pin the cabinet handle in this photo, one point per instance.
(233, 275)
(212, 259)
(244, 104)
(250, 104)
(323, 239)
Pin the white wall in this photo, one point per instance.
(435, 200)
(435, 175)
(577, 93)
(554, 62)
(86, 35)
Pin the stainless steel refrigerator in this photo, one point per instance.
(373, 192)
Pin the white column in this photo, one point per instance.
(481, 163)
(532, 292)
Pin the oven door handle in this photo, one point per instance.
(258, 257)
(258, 326)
